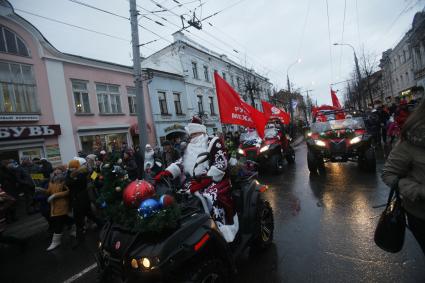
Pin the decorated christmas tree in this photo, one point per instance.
(135, 205)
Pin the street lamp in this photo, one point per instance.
(356, 62)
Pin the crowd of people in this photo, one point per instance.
(384, 121)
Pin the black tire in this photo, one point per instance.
(290, 155)
(369, 161)
(276, 164)
(264, 226)
(211, 270)
(312, 162)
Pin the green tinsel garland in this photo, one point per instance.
(157, 225)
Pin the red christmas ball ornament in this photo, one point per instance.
(166, 200)
(136, 192)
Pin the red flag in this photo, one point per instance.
(233, 110)
(272, 112)
(335, 101)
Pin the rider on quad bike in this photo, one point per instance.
(271, 151)
(337, 136)
(205, 245)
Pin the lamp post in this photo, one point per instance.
(356, 62)
(291, 110)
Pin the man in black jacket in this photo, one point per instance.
(169, 154)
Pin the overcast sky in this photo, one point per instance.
(268, 35)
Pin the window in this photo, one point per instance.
(211, 101)
(81, 97)
(108, 99)
(12, 43)
(162, 102)
(232, 82)
(195, 70)
(131, 92)
(238, 82)
(224, 76)
(200, 104)
(177, 103)
(17, 88)
(206, 74)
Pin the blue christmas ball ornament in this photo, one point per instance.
(103, 204)
(148, 207)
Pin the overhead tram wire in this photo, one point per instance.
(210, 35)
(342, 38)
(330, 41)
(72, 25)
(120, 16)
(304, 28)
(254, 60)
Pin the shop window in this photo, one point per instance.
(131, 92)
(108, 99)
(11, 43)
(177, 103)
(81, 97)
(17, 88)
(108, 142)
(162, 98)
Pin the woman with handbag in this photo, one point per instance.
(406, 162)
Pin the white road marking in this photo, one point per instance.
(80, 274)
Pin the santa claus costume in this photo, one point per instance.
(212, 179)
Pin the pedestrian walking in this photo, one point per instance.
(7, 202)
(58, 199)
(406, 162)
(76, 181)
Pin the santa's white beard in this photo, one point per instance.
(194, 148)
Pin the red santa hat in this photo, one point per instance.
(195, 126)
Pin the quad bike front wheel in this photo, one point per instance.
(208, 271)
(315, 163)
(264, 226)
(276, 163)
(368, 161)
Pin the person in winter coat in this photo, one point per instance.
(406, 165)
(130, 165)
(58, 198)
(76, 181)
(6, 203)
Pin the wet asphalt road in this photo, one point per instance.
(323, 233)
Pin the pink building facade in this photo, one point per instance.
(54, 105)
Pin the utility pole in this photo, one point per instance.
(137, 72)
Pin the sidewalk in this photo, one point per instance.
(27, 226)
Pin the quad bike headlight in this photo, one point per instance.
(356, 140)
(320, 143)
(265, 148)
(146, 263)
(309, 134)
(240, 151)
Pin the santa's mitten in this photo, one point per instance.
(199, 185)
(161, 175)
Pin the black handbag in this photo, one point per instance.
(389, 233)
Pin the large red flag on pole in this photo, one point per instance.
(233, 110)
(272, 112)
(335, 101)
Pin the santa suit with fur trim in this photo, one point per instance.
(214, 184)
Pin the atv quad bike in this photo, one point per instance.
(269, 153)
(196, 251)
(340, 141)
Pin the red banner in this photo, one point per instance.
(272, 112)
(335, 100)
(233, 110)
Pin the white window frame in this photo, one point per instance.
(166, 103)
(132, 103)
(109, 95)
(81, 92)
(211, 105)
(195, 70)
(180, 102)
(206, 73)
(28, 90)
(16, 37)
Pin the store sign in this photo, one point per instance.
(22, 132)
(12, 118)
(174, 127)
